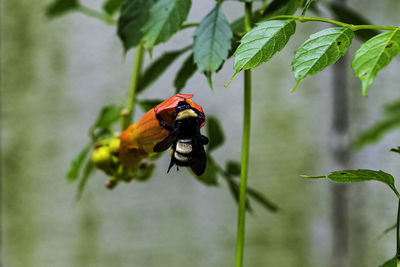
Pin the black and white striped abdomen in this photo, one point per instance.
(183, 150)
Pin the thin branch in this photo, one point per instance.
(245, 151)
(128, 113)
(335, 22)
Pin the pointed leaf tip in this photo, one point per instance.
(321, 50)
(233, 77)
(261, 43)
(374, 55)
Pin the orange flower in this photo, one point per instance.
(139, 139)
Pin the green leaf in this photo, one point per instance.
(346, 14)
(59, 7)
(393, 108)
(77, 162)
(186, 71)
(374, 133)
(212, 41)
(307, 5)
(234, 189)
(158, 67)
(262, 42)
(210, 176)
(249, 1)
(233, 168)
(208, 75)
(87, 172)
(108, 116)
(277, 7)
(321, 50)
(134, 15)
(261, 199)
(397, 150)
(215, 133)
(144, 173)
(379, 129)
(281, 7)
(390, 263)
(112, 6)
(166, 18)
(374, 55)
(148, 104)
(353, 176)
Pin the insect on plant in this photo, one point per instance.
(252, 40)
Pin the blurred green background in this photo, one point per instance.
(57, 74)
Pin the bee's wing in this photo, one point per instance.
(166, 143)
(199, 161)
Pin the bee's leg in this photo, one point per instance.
(204, 139)
(171, 164)
(201, 115)
(162, 123)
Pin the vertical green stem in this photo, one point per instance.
(398, 236)
(129, 112)
(245, 151)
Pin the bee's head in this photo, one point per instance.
(187, 118)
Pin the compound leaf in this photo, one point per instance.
(166, 18)
(212, 40)
(353, 176)
(134, 15)
(321, 50)
(186, 71)
(262, 42)
(374, 55)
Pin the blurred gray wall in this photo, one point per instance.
(57, 74)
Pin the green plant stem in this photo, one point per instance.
(338, 23)
(398, 235)
(96, 14)
(190, 25)
(245, 151)
(129, 112)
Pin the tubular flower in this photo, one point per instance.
(139, 139)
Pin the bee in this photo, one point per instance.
(185, 139)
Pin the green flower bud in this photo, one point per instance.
(101, 157)
(114, 145)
